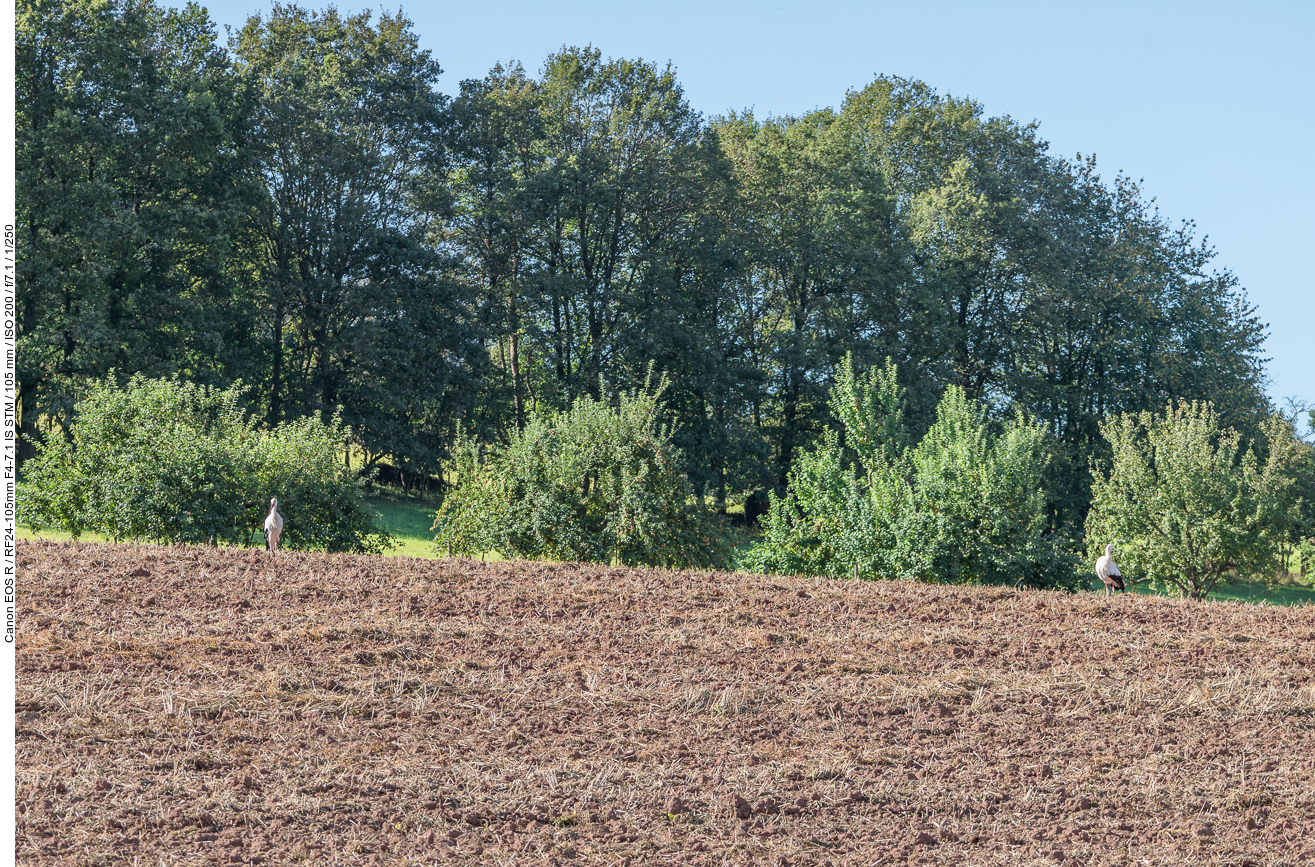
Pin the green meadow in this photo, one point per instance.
(410, 519)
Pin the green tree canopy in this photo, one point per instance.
(306, 213)
(820, 274)
(963, 505)
(127, 197)
(358, 310)
(595, 483)
(1188, 502)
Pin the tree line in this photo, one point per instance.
(299, 209)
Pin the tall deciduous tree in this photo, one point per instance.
(126, 199)
(344, 120)
(820, 274)
(589, 212)
(967, 194)
(498, 162)
(1044, 287)
(624, 185)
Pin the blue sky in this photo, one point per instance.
(1211, 104)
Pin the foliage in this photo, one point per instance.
(1189, 503)
(300, 462)
(1303, 532)
(305, 212)
(962, 506)
(593, 483)
(172, 461)
(127, 196)
(588, 218)
(1306, 555)
(356, 308)
(1042, 286)
(821, 270)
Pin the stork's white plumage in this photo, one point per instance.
(273, 525)
(1108, 572)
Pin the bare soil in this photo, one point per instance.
(189, 705)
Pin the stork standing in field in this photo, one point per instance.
(1108, 572)
(273, 526)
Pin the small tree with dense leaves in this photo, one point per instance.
(170, 461)
(964, 505)
(1188, 504)
(595, 483)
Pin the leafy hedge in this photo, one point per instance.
(170, 461)
(1189, 503)
(595, 483)
(963, 505)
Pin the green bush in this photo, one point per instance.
(962, 506)
(595, 483)
(170, 461)
(1306, 558)
(1189, 504)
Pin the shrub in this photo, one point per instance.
(1306, 558)
(962, 506)
(171, 461)
(1188, 504)
(595, 483)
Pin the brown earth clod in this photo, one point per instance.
(226, 706)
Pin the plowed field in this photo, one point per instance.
(191, 705)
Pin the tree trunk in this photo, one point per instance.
(27, 423)
(517, 403)
(276, 368)
(27, 395)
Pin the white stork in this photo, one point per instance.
(1108, 572)
(273, 526)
